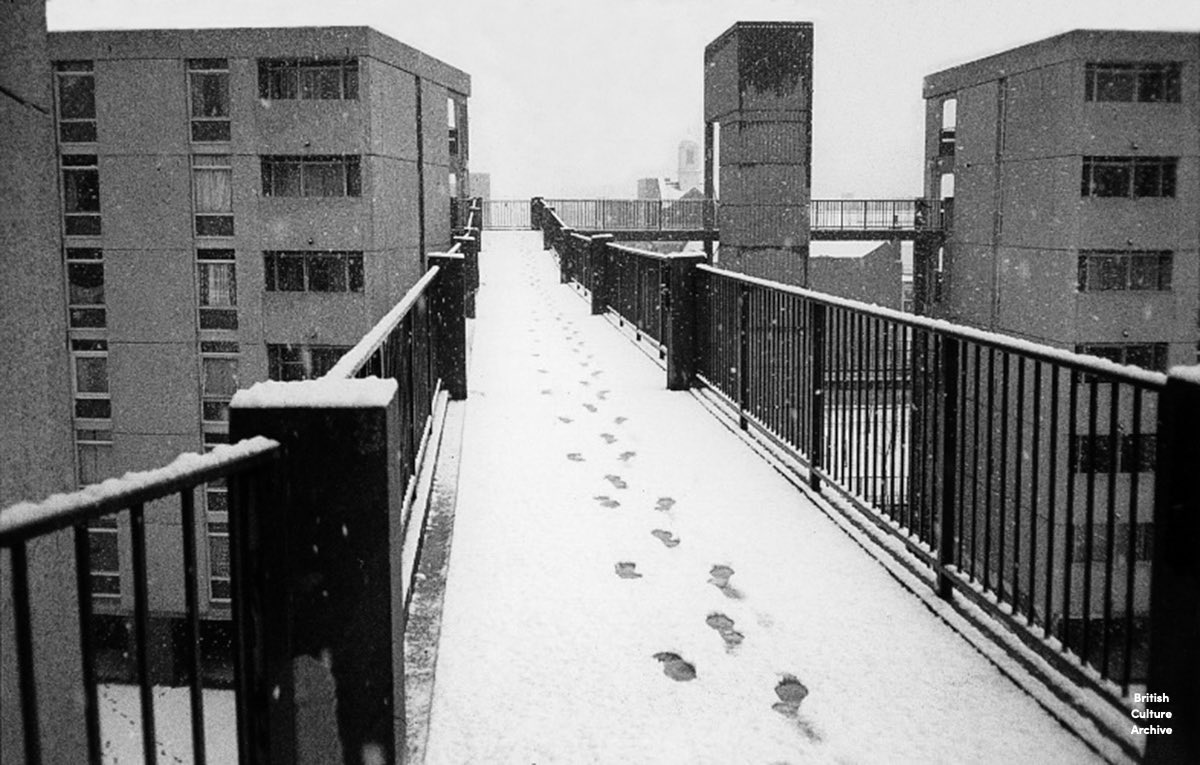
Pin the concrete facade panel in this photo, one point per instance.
(320, 127)
(1040, 203)
(775, 141)
(393, 109)
(141, 106)
(1041, 112)
(145, 201)
(308, 223)
(720, 79)
(394, 271)
(339, 318)
(766, 184)
(1037, 290)
(437, 209)
(155, 388)
(435, 125)
(394, 196)
(759, 225)
(150, 295)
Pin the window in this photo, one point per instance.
(81, 194)
(90, 361)
(1147, 355)
(1146, 82)
(94, 448)
(452, 123)
(217, 277)
(219, 379)
(76, 101)
(1105, 270)
(1094, 453)
(1143, 542)
(1128, 177)
(946, 137)
(208, 82)
(216, 507)
(85, 287)
(315, 176)
(302, 362)
(212, 184)
(308, 79)
(313, 271)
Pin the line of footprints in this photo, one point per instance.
(789, 690)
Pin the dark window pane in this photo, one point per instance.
(350, 80)
(1168, 179)
(323, 358)
(210, 94)
(86, 282)
(214, 225)
(321, 81)
(77, 132)
(289, 273)
(210, 130)
(281, 178)
(221, 589)
(1111, 272)
(1147, 179)
(76, 96)
(98, 408)
(324, 179)
(81, 191)
(1109, 179)
(87, 317)
(83, 225)
(354, 264)
(353, 177)
(106, 584)
(218, 501)
(1165, 265)
(1114, 84)
(1143, 272)
(218, 318)
(216, 411)
(326, 273)
(104, 554)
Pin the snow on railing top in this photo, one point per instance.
(324, 393)
(354, 359)
(1080, 361)
(26, 520)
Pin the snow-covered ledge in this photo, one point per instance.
(318, 394)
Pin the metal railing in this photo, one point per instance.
(1016, 479)
(245, 466)
(826, 215)
(506, 214)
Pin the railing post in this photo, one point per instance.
(327, 578)
(601, 290)
(562, 245)
(535, 213)
(819, 317)
(949, 437)
(680, 331)
(476, 217)
(469, 247)
(743, 357)
(1174, 672)
(448, 295)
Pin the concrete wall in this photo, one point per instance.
(37, 452)
(874, 277)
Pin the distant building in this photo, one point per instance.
(649, 188)
(1071, 173)
(237, 205)
(869, 272)
(691, 166)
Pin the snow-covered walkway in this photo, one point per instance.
(630, 583)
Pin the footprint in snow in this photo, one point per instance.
(567, 420)
(546, 391)
(675, 667)
(597, 373)
(575, 457)
(620, 420)
(606, 501)
(664, 504)
(542, 371)
(602, 395)
(609, 438)
(590, 407)
(626, 456)
(666, 537)
(720, 577)
(724, 625)
(616, 481)
(627, 570)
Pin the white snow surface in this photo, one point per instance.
(324, 392)
(547, 655)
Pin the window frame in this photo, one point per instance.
(83, 70)
(1167, 73)
(209, 67)
(216, 316)
(82, 350)
(350, 262)
(1135, 176)
(1090, 274)
(217, 351)
(86, 221)
(85, 315)
(224, 219)
(1119, 353)
(303, 361)
(270, 69)
(274, 166)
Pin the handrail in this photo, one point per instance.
(1079, 361)
(59, 512)
(353, 360)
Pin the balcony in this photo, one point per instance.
(657, 511)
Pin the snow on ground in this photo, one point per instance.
(604, 521)
(121, 725)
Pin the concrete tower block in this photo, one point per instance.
(758, 88)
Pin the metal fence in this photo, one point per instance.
(246, 467)
(506, 214)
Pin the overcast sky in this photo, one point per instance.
(582, 97)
